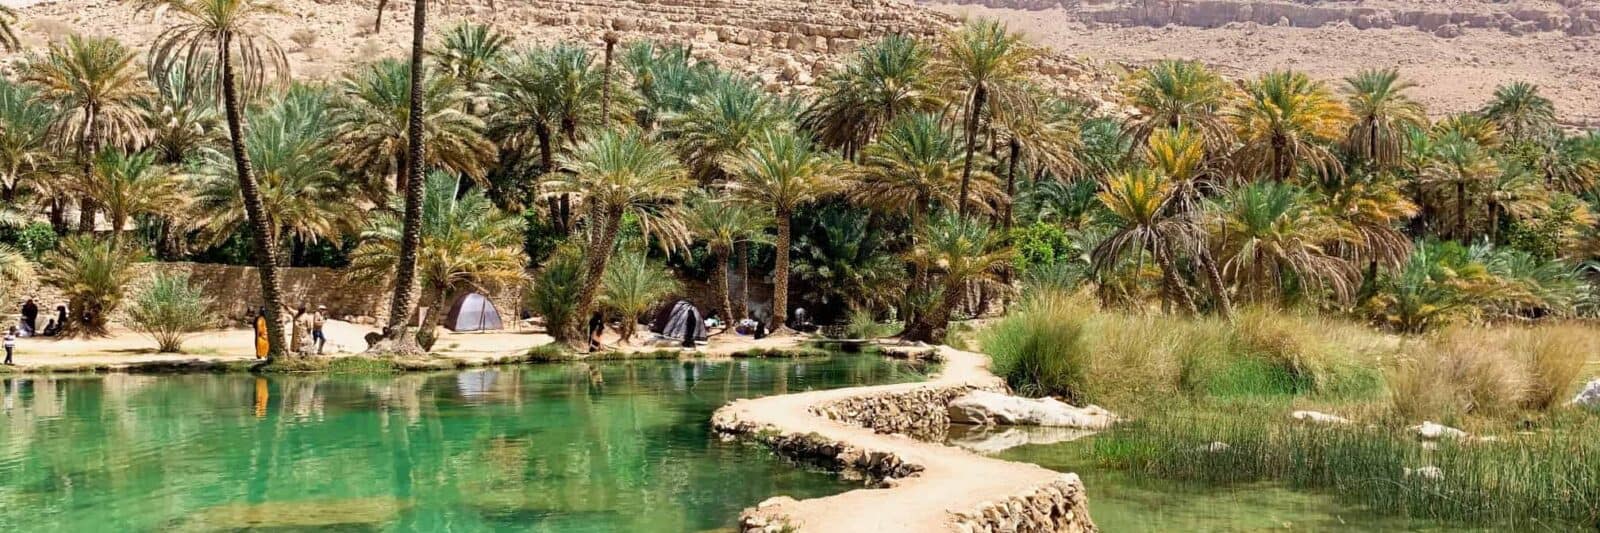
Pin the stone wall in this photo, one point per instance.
(236, 292)
(1061, 506)
(920, 413)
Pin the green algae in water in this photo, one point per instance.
(620, 446)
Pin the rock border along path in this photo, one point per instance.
(925, 486)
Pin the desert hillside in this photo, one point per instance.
(1456, 50)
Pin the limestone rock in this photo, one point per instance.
(1318, 417)
(1448, 31)
(990, 408)
(1430, 473)
(1589, 396)
(1432, 431)
(991, 439)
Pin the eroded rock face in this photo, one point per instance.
(1589, 397)
(990, 408)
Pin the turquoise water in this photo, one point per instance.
(605, 447)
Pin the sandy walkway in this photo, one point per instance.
(953, 480)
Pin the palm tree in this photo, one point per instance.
(1270, 237)
(1041, 131)
(1139, 203)
(468, 53)
(982, 61)
(8, 36)
(1520, 111)
(24, 138)
(1371, 207)
(1472, 127)
(1515, 192)
(843, 258)
(1382, 114)
(782, 171)
(617, 174)
(304, 197)
(1460, 168)
(371, 127)
(92, 274)
(722, 123)
(182, 119)
(127, 185)
(1571, 164)
(633, 283)
(15, 270)
(665, 79)
(467, 244)
(249, 61)
(1174, 94)
(92, 82)
(961, 251)
(724, 225)
(914, 168)
(1285, 120)
(880, 82)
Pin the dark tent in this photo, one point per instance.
(473, 312)
(677, 319)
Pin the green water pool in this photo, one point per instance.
(602, 447)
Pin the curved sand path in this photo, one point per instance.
(954, 484)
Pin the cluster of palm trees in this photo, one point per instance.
(920, 177)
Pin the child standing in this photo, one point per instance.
(10, 343)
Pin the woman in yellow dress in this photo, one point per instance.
(262, 343)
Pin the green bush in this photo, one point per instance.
(1040, 350)
(36, 239)
(864, 325)
(554, 291)
(169, 309)
(91, 272)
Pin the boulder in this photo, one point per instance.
(1448, 31)
(991, 408)
(1320, 418)
(1430, 473)
(1432, 431)
(992, 439)
(1589, 396)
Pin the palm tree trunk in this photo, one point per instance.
(780, 275)
(377, 22)
(742, 252)
(266, 254)
(1011, 182)
(1461, 212)
(1169, 276)
(605, 79)
(1494, 222)
(594, 259)
(719, 280)
(1219, 292)
(405, 279)
(86, 150)
(978, 96)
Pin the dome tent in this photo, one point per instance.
(473, 312)
(679, 320)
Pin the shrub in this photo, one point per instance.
(1553, 358)
(554, 292)
(631, 285)
(863, 325)
(91, 272)
(36, 239)
(169, 309)
(1040, 350)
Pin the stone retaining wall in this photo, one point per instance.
(920, 413)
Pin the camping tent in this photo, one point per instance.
(473, 312)
(675, 321)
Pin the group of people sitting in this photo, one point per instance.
(28, 326)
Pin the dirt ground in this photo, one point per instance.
(1453, 75)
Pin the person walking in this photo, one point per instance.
(318, 320)
(10, 344)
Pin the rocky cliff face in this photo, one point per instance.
(1575, 18)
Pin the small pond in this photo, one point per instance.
(580, 447)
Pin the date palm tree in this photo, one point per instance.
(1459, 171)
(721, 124)
(93, 83)
(1146, 225)
(724, 225)
(1515, 192)
(126, 185)
(218, 43)
(982, 61)
(1285, 121)
(15, 270)
(468, 53)
(914, 169)
(1270, 237)
(783, 171)
(92, 273)
(1382, 112)
(8, 34)
(960, 251)
(1520, 111)
(1176, 94)
(882, 81)
(372, 134)
(616, 174)
(632, 284)
(304, 197)
(24, 139)
(467, 244)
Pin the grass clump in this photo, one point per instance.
(1040, 350)
(169, 309)
(551, 353)
(1481, 372)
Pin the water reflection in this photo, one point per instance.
(597, 447)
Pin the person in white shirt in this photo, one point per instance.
(10, 343)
